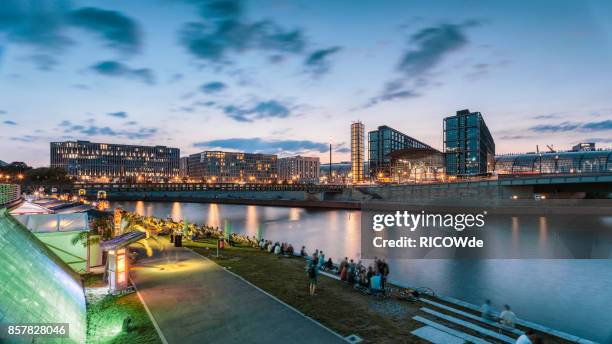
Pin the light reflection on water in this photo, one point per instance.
(569, 295)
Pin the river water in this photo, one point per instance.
(574, 296)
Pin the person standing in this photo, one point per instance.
(312, 275)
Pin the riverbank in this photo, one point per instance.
(106, 313)
(336, 304)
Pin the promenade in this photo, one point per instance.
(193, 300)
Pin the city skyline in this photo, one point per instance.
(286, 77)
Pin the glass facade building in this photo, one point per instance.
(104, 162)
(555, 162)
(382, 143)
(233, 167)
(468, 145)
(357, 151)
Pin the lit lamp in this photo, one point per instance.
(117, 263)
(117, 270)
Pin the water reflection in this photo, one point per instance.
(564, 294)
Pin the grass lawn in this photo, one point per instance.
(105, 314)
(336, 305)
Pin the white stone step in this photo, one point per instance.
(456, 333)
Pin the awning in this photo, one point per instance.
(122, 240)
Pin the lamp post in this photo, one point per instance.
(330, 160)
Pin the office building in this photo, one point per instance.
(103, 162)
(468, 145)
(299, 169)
(357, 151)
(383, 142)
(233, 167)
(184, 167)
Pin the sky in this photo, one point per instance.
(289, 77)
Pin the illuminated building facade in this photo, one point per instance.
(184, 167)
(233, 167)
(417, 165)
(102, 162)
(299, 169)
(357, 151)
(383, 142)
(468, 145)
(579, 162)
(9, 194)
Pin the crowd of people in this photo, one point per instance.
(279, 249)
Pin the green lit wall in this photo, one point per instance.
(75, 255)
(36, 286)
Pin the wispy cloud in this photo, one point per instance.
(118, 69)
(119, 31)
(9, 122)
(260, 110)
(225, 30)
(46, 28)
(569, 127)
(213, 87)
(318, 62)
(263, 145)
(427, 49)
(119, 114)
(90, 129)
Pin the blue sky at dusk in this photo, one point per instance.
(287, 76)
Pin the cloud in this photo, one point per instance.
(598, 139)
(44, 62)
(91, 129)
(261, 110)
(547, 116)
(3, 112)
(120, 114)
(427, 49)
(9, 122)
(40, 25)
(224, 30)
(263, 146)
(317, 63)
(568, 126)
(45, 26)
(25, 138)
(213, 87)
(119, 31)
(118, 69)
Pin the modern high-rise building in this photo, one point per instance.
(384, 141)
(357, 151)
(105, 162)
(299, 169)
(468, 145)
(233, 167)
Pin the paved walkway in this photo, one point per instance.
(194, 300)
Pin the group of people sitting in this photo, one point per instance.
(279, 249)
(506, 317)
(373, 278)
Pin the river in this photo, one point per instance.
(573, 296)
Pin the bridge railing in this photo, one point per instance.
(207, 187)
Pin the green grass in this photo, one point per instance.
(105, 315)
(336, 305)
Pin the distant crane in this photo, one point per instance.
(551, 149)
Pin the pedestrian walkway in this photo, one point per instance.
(194, 300)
